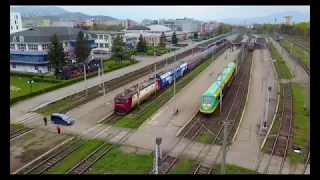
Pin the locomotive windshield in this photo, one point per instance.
(207, 100)
(118, 100)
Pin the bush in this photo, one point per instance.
(149, 53)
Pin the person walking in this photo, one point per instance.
(58, 129)
(45, 120)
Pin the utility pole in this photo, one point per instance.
(267, 108)
(85, 78)
(212, 61)
(224, 153)
(174, 83)
(158, 154)
(102, 69)
(138, 94)
(263, 120)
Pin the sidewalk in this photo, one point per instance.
(245, 149)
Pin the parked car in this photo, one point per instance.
(63, 119)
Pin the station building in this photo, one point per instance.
(151, 34)
(28, 48)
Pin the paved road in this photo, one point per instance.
(164, 124)
(26, 106)
(246, 147)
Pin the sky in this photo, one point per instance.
(138, 13)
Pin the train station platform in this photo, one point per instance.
(164, 124)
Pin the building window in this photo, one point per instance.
(49, 68)
(17, 27)
(101, 45)
(45, 46)
(13, 66)
(32, 46)
(12, 46)
(11, 27)
(22, 46)
(100, 37)
(15, 22)
(106, 45)
(36, 68)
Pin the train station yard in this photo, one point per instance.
(191, 141)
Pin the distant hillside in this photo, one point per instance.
(296, 16)
(49, 10)
(55, 13)
(79, 15)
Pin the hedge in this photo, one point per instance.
(60, 84)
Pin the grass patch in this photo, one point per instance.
(24, 87)
(151, 106)
(296, 50)
(118, 162)
(301, 124)
(48, 110)
(204, 138)
(112, 63)
(75, 157)
(14, 127)
(233, 169)
(184, 166)
(275, 55)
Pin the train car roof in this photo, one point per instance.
(215, 87)
(127, 93)
(168, 70)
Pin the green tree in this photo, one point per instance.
(118, 49)
(174, 38)
(196, 35)
(142, 45)
(56, 55)
(223, 29)
(82, 50)
(162, 39)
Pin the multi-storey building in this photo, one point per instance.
(127, 23)
(104, 39)
(63, 24)
(151, 34)
(287, 20)
(185, 25)
(15, 22)
(28, 48)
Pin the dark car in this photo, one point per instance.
(62, 119)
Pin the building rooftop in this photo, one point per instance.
(102, 32)
(138, 27)
(160, 28)
(43, 34)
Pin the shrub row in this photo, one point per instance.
(59, 84)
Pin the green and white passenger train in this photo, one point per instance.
(211, 98)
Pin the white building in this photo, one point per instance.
(127, 23)
(15, 22)
(151, 34)
(185, 25)
(287, 20)
(63, 24)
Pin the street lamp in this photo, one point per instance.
(30, 82)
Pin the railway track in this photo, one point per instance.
(84, 166)
(306, 164)
(299, 61)
(19, 132)
(95, 92)
(167, 162)
(231, 115)
(49, 160)
(280, 145)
